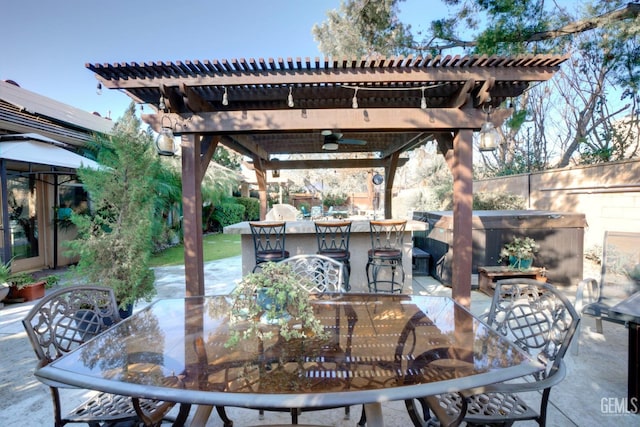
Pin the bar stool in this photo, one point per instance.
(268, 241)
(333, 241)
(384, 266)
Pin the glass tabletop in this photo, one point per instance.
(627, 309)
(376, 348)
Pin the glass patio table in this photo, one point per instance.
(378, 348)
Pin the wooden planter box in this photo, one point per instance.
(30, 292)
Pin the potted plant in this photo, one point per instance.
(273, 296)
(25, 287)
(519, 252)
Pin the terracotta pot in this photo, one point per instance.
(30, 292)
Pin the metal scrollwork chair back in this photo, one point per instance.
(325, 274)
(61, 322)
(541, 321)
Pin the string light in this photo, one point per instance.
(225, 97)
(423, 99)
(290, 98)
(99, 89)
(161, 105)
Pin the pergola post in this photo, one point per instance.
(192, 214)
(261, 179)
(462, 216)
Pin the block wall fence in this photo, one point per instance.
(608, 194)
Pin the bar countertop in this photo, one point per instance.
(306, 227)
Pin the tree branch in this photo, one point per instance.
(631, 10)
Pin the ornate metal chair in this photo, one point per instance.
(619, 279)
(64, 320)
(268, 241)
(542, 322)
(385, 272)
(325, 274)
(305, 213)
(333, 241)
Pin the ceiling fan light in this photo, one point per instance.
(330, 146)
(326, 132)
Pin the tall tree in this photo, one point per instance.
(115, 239)
(598, 89)
(363, 28)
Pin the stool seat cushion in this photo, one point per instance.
(337, 254)
(271, 255)
(385, 253)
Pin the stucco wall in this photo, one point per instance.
(608, 194)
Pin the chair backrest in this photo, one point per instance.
(268, 236)
(536, 317)
(66, 318)
(387, 234)
(620, 276)
(324, 274)
(333, 236)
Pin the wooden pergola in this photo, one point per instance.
(267, 109)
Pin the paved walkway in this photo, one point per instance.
(591, 394)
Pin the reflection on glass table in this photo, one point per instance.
(367, 356)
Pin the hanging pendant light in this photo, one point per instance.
(489, 136)
(165, 141)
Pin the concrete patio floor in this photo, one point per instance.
(593, 393)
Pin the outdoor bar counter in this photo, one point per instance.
(301, 239)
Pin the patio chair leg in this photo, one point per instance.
(363, 418)
(223, 416)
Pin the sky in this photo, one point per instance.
(46, 43)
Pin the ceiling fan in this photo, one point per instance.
(332, 140)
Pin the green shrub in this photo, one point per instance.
(334, 200)
(228, 213)
(498, 201)
(251, 206)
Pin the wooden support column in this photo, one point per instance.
(261, 179)
(192, 214)
(462, 216)
(390, 174)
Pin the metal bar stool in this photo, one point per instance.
(333, 241)
(385, 272)
(268, 241)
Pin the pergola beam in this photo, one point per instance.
(330, 164)
(346, 119)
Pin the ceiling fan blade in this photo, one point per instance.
(352, 142)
